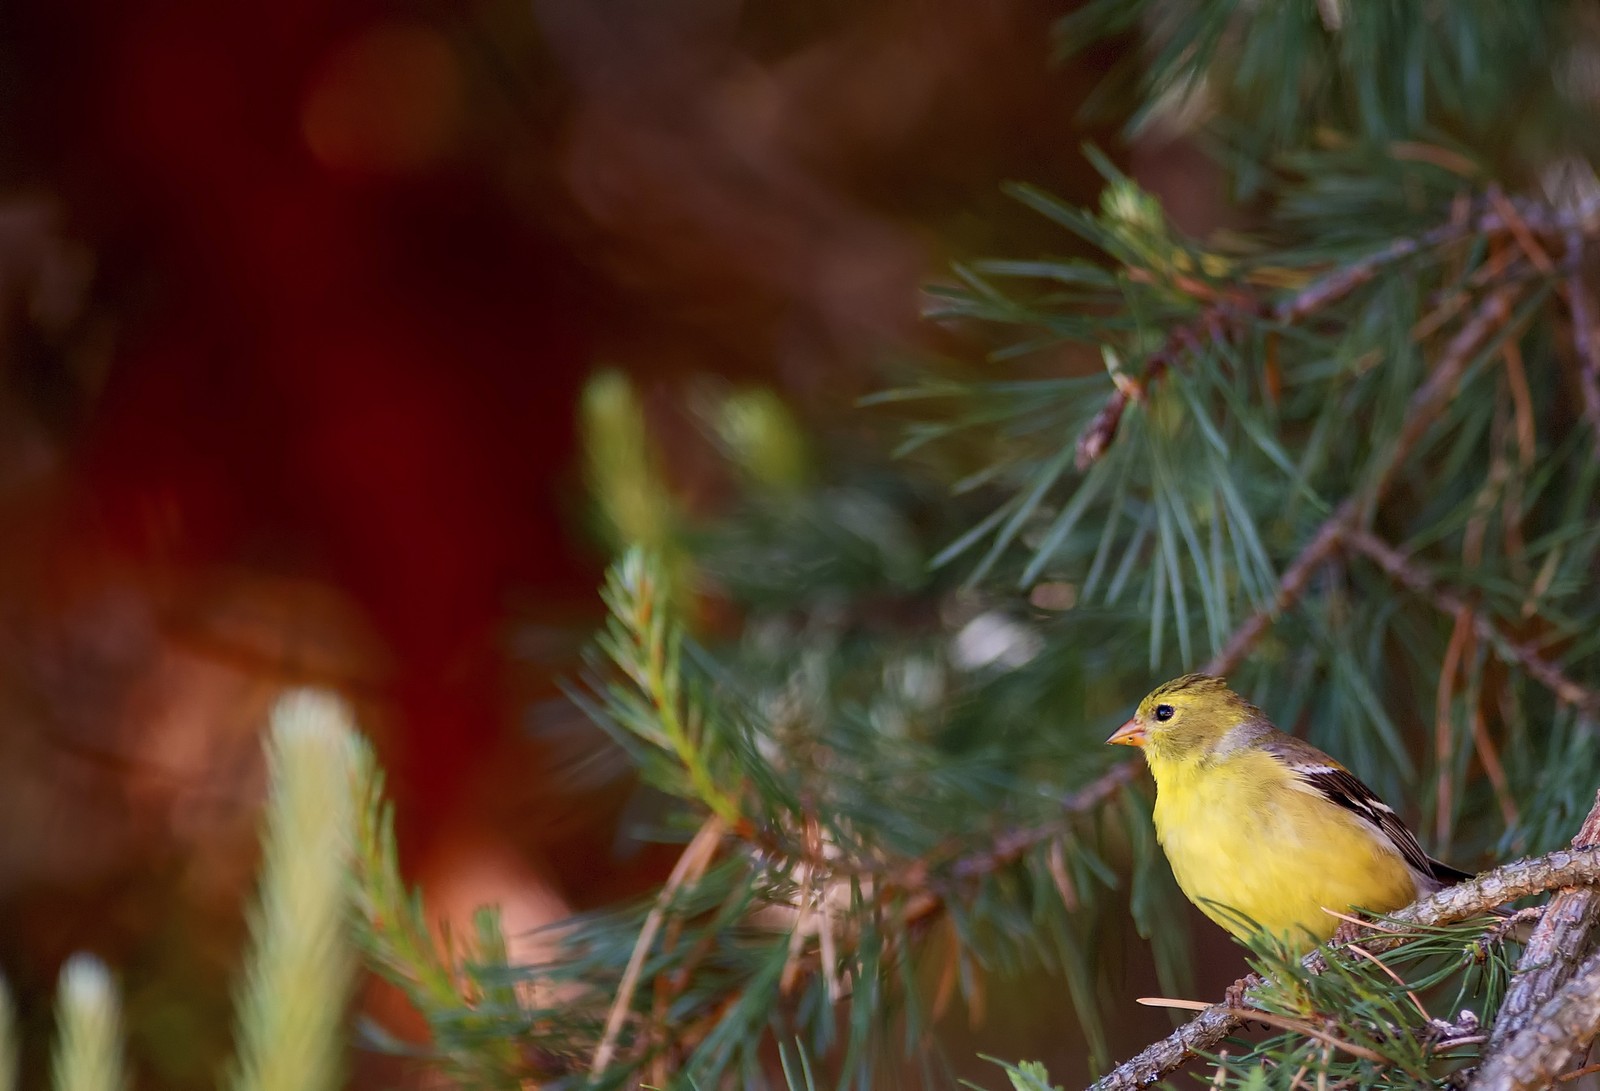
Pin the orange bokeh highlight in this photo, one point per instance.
(389, 101)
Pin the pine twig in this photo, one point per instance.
(1322, 546)
(1228, 319)
(1405, 572)
(1520, 231)
(695, 858)
(1009, 847)
(89, 1051)
(1434, 394)
(1474, 897)
(1563, 936)
(301, 967)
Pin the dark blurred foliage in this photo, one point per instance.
(297, 301)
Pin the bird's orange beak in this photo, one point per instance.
(1129, 734)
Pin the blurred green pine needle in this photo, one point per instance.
(89, 1048)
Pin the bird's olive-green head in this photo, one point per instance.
(1186, 718)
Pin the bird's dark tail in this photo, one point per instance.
(1445, 874)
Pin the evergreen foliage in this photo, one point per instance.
(464, 991)
(1349, 456)
(301, 967)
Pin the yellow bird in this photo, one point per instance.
(1264, 830)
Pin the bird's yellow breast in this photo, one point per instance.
(1247, 844)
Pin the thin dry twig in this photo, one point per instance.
(1435, 394)
(1521, 232)
(1443, 736)
(1577, 1072)
(1474, 897)
(1357, 949)
(1498, 488)
(1493, 768)
(692, 863)
(1522, 403)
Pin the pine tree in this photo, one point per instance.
(1349, 456)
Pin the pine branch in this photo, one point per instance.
(1424, 408)
(1229, 317)
(1472, 898)
(645, 643)
(1406, 573)
(1559, 941)
(466, 1016)
(1564, 1026)
(1422, 411)
(804, 879)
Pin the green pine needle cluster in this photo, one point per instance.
(1409, 1016)
(461, 984)
(1410, 1010)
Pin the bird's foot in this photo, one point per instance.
(1349, 931)
(1236, 995)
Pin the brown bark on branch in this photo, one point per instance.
(1561, 939)
(1564, 1025)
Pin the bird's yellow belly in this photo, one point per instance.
(1258, 860)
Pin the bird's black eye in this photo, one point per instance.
(1165, 712)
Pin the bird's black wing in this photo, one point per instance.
(1339, 785)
